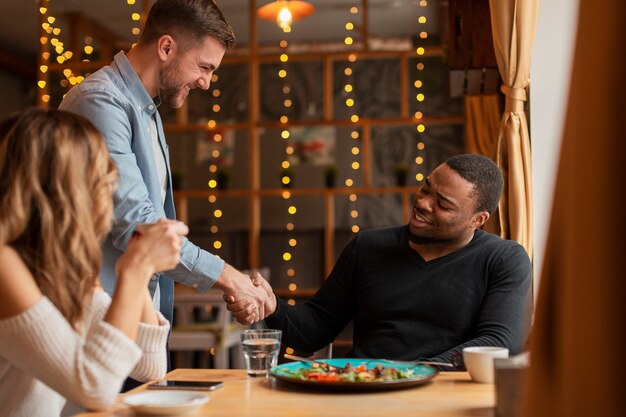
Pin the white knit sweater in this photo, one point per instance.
(44, 362)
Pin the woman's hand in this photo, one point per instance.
(154, 247)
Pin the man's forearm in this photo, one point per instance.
(225, 281)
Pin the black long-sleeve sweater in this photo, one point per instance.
(405, 308)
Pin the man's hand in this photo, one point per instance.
(259, 281)
(249, 303)
(240, 307)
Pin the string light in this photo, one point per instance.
(50, 38)
(286, 179)
(135, 17)
(43, 90)
(217, 178)
(419, 96)
(351, 105)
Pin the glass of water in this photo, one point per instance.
(260, 350)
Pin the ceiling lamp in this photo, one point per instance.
(285, 12)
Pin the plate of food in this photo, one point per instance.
(165, 403)
(352, 374)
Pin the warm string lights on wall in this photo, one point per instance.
(136, 18)
(72, 79)
(214, 169)
(419, 95)
(286, 169)
(350, 103)
(215, 136)
(47, 33)
(284, 13)
(50, 38)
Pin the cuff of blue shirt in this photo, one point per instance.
(205, 272)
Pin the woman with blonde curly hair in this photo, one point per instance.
(61, 337)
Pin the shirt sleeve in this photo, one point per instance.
(504, 318)
(87, 372)
(316, 323)
(133, 206)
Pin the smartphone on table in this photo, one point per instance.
(187, 385)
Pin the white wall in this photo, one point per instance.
(550, 75)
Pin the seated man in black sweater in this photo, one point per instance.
(427, 289)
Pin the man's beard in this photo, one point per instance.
(425, 240)
(168, 88)
(169, 96)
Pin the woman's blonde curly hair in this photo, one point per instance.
(56, 201)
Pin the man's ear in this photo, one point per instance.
(166, 46)
(479, 219)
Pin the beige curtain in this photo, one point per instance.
(482, 123)
(513, 23)
(578, 347)
(482, 115)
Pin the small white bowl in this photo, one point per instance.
(165, 403)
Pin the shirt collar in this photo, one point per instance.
(139, 94)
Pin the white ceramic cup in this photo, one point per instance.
(479, 361)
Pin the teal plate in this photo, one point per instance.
(423, 374)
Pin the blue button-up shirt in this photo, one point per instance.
(115, 100)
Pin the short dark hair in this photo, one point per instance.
(188, 20)
(484, 174)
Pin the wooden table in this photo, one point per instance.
(450, 394)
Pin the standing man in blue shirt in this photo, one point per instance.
(182, 44)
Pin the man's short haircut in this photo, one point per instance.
(484, 174)
(188, 22)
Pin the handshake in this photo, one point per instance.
(249, 298)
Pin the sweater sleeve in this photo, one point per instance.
(316, 323)
(88, 373)
(151, 339)
(504, 317)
